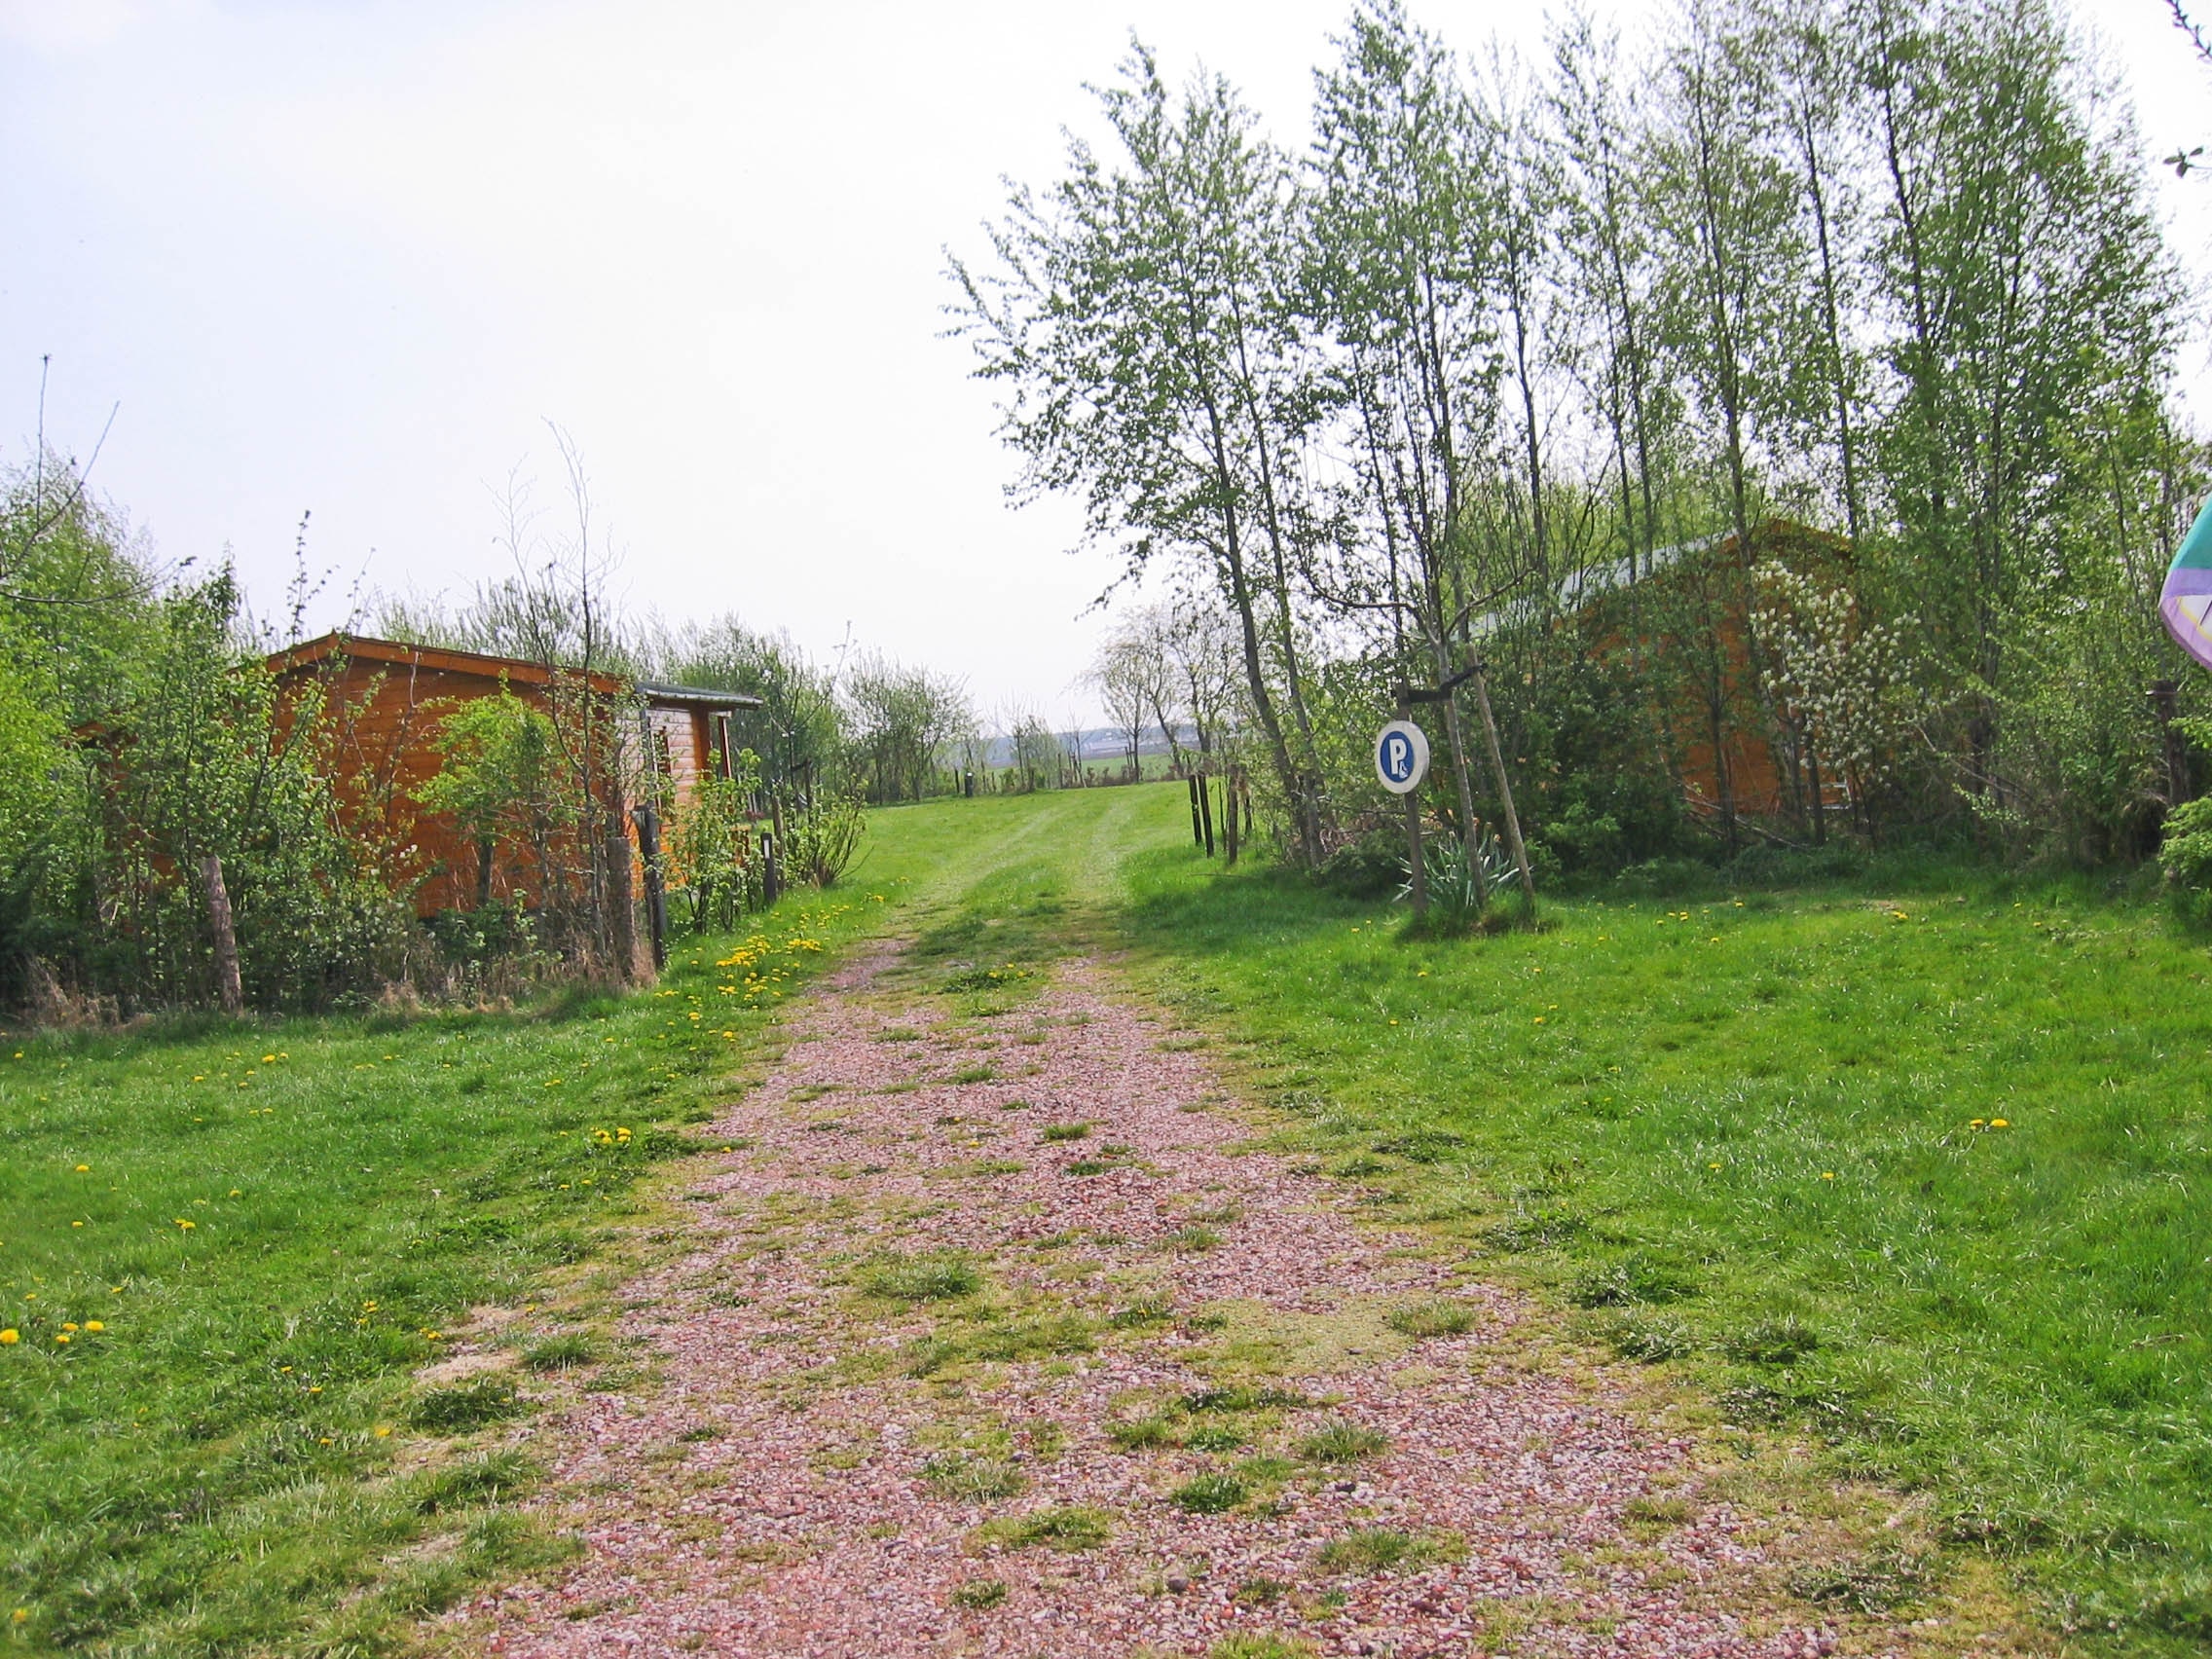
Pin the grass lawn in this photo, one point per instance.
(1923, 1168)
(225, 1248)
(1736, 1131)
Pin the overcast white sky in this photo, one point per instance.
(349, 256)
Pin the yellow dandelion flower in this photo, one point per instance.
(188, 1226)
(76, 1224)
(10, 1337)
(69, 1324)
(1539, 1019)
(95, 1326)
(1827, 1174)
(1978, 1124)
(383, 1432)
(1712, 1166)
(61, 1341)
(269, 1059)
(2000, 1123)
(83, 1168)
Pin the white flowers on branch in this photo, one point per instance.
(1847, 684)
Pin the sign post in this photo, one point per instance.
(1401, 762)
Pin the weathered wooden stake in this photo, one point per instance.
(623, 939)
(1198, 836)
(227, 985)
(1205, 811)
(1505, 788)
(1229, 826)
(656, 891)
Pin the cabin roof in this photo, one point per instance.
(521, 671)
(697, 696)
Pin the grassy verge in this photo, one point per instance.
(225, 1250)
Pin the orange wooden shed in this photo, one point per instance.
(386, 699)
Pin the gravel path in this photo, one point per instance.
(934, 1382)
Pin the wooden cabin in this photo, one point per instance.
(387, 701)
(1695, 600)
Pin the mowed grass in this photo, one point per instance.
(1735, 1131)
(1740, 1131)
(1736, 1137)
(225, 1249)
(239, 1458)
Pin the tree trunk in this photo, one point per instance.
(1504, 789)
(227, 983)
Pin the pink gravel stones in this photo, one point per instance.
(813, 1522)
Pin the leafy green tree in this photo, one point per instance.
(1139, 320)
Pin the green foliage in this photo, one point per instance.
(1439, 1316)
(711, 848)
(32, 767)
(501, 776)
(1461, 881)
(1342, 1441)
(1381, 1549)
(2185, 855)
(1070, 1529)
(1209, 1494)
(922, 1278)
(474, 1404)
(819, 844)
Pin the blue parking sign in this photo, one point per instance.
(1401, 757)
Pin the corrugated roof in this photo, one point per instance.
(660, 691)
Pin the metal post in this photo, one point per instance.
(1417, 865)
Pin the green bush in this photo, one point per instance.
(2185, 858)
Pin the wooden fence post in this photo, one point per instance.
(227, 983)
(656, 891)
(1205, 810)
(622, 931)
(1198, 836)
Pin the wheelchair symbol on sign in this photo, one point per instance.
(1401, 757)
